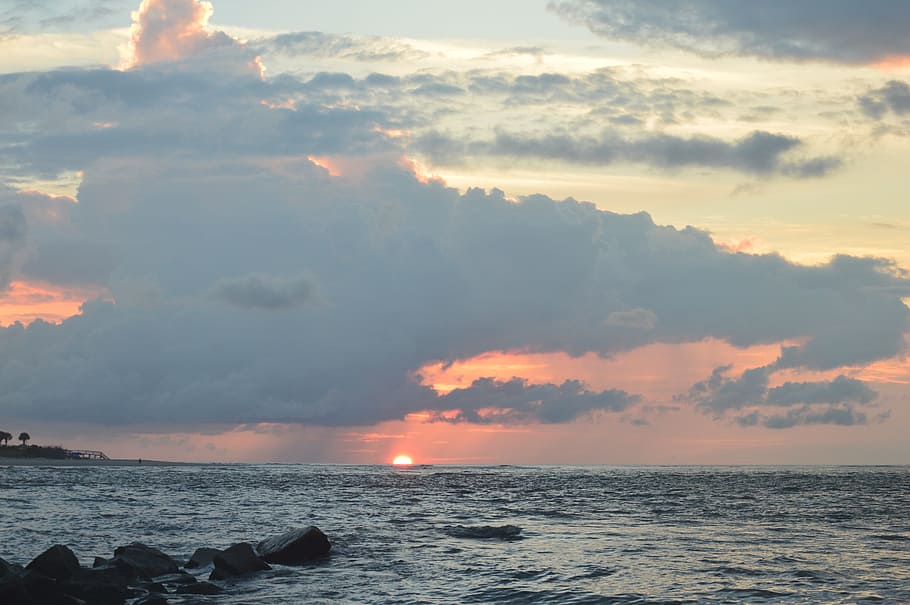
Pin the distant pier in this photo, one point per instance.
(86, 455)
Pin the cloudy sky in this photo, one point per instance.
(576, 231)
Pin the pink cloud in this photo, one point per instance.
(171, 30)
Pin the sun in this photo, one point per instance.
(402, 460)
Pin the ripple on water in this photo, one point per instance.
(439, 534)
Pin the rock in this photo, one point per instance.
(200, 588)
(56, 562)
(145, 561)
(101, 562)
(202, 557)
(502, 532)
(153, 587)
(12, 588)
(238, 560)
(295, 547)
(41, 588)
(99, 586)
(176, 578)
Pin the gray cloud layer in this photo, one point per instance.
(821, 402)
(827, 30)
(409, 273)
(759, 153)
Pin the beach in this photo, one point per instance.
(93, 462)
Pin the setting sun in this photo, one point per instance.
(402, 460)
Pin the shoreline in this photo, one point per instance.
(71, 462)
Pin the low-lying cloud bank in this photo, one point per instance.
(251, 292)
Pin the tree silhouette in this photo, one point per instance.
(5, 437)
(23, 437)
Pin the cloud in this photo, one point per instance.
(805, 415)
(12, 237)
(412, 273)
(207, 217)
(489, 401)
(69, 118)
(839, 390)
(761, 153)
(265, 291)
(640, 319)
(337, 46)
(893, 97)
(819, 402)
(177, 30)
(810, 30)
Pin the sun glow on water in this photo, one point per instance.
(402, 460)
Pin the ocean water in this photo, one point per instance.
(440, 534)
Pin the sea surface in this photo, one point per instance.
(445, 534)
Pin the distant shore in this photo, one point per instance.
(71, 462)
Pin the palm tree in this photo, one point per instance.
(23, 437)
(5, 437)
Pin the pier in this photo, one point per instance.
(86, 455)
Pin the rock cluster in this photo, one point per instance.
(146, 575)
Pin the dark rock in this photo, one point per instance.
(202, 557)
(295, 547)
(99, 586)
(101, 562)
(41, 588)
(153, 587)
(57, 562)
(152, 599)
(145, 561)
(176, 578)
(12, 588)
(501, 532)
(200, 588)
(238, 560)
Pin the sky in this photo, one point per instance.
(511, 232)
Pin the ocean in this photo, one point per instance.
(503, 534)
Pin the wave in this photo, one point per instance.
(501, 532)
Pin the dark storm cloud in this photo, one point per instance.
(759, 152)
(893, 97)
(841, 31)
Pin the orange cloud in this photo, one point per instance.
(169, 30)
(893, 63)
(657, 371)
(27, 301)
